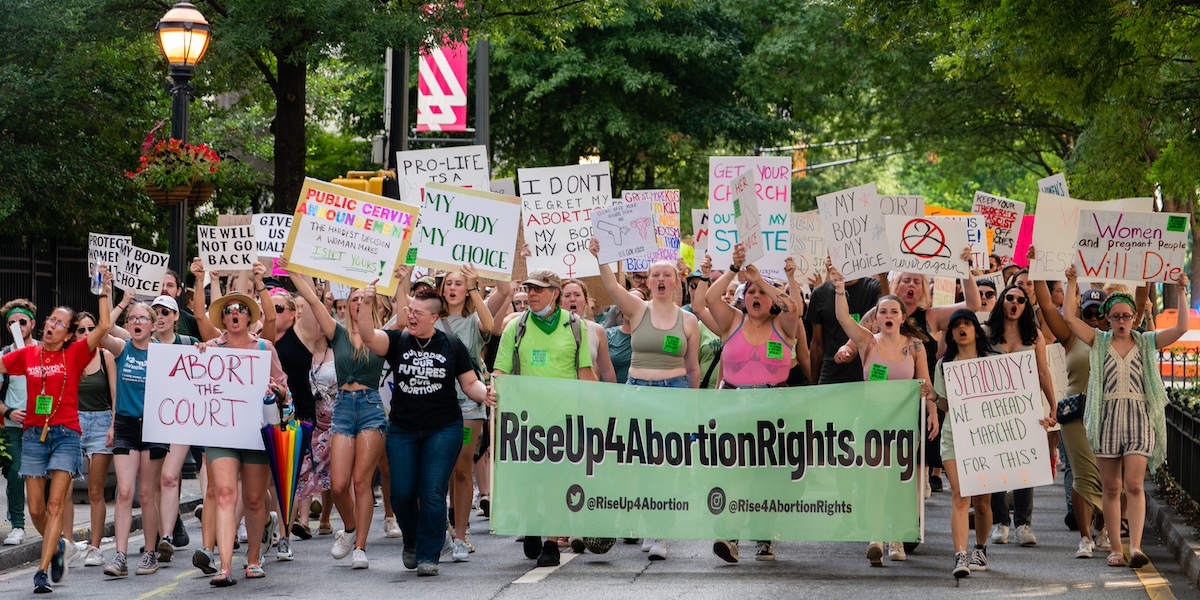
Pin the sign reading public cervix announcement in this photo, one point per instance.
(665, 206)
(461, 226)
(347, 236)
(928, 245)
(211, 398)
(773, 188)
(855, 232)
(826, 463)
(995, 406)
(1131, 246)
(557, 204)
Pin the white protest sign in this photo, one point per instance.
(700, 231)
(461, 226)
(506, 186)
(913, 206)
(271, 234)
(341, 292)
(213, 399)
(1055, 185)
(995, 406)
(1131, 246)
(1056, 361)
(976, 237)
(141, 272)
(945, 291)
(227, 248)
(1056, 227)
(773, 188)
(855, 232)
(806, 244)
(556, 218)
(928, 245)
(624, 231)
(996, 278)
(1004, 217)
(665, 206)
(747, 218)
(103, 251)
(463, 166)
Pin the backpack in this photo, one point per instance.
(576, 330)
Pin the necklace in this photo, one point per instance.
(53, 404)
(427, 341)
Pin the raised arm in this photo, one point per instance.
(631, 306)
(1051, 318)
(199, 310)
(374, 339)
(860, 335)
(720, 315)
(1166, 337)
(496, 301)
(1080, 329)
(264, 299)
(105, 312)
(939, 316)
(324, 319)
(486, 318)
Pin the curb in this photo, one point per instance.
(1179, 537)
(31, 550)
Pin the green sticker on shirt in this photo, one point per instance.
(671, 344)
(775, 350)
(44, 405)
(540, 358)
(878, 373)
(857, 317)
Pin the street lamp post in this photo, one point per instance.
(183, 35)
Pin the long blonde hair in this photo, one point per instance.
(925, 299)
(361, 351)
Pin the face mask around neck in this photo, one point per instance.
(545, 312)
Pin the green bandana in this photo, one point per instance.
(547, 324)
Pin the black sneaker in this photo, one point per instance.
(1070, 521)
(961, 565)
(58, 564)
(935, 483)
(41, 583)
(533, 546)
(550, 555)
(485, 507)
(180, 537)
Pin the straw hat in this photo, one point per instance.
(215, 311)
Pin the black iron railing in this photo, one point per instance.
(1183, 448)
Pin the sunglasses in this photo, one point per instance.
(165, 312)
(1015, 298)
(86, 329)
(1094, 315)
(233, 307)
(280, 309)
(988, 295)
(693, 285)
(22, 320)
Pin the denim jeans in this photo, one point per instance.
(1022, 508)
(420, 462)
(16, 483)
(674, 382)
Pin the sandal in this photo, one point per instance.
(223, 578)
(255, 572)
(1124, 528)
(1116, 559)
(1138, 559)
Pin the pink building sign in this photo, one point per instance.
(442, 88)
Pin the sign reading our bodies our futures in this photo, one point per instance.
(1056, 227)
(460, 226)
(995, 406)
(665, 206)
(348, 236)
(928, 245)
(1131, 246)
(1004, 217)
(772, 188)
(556, 216)
(271, 234)
(227, 248)
(211, 399)
(141, 271)
(624, 231)
(855, 232)
(826, 463)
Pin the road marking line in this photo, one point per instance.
(1157, 587)
(162, 590)
(537, 574)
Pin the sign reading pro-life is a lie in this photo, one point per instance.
(1122, 245)
(348, 236)
(995, 406)
(211, 398)
(462, 166)
(461, 226)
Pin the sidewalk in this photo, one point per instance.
(31, 548)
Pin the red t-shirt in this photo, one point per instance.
(62, 371)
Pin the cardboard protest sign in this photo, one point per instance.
(995, 406)
(556, 217)
(913, 206)
(1056, 227)
(463, 166)
(460, 226)
(806, 244)
(665, 206)
(928, 245)
(348, 236)
(855, 232)
(1055, 185)
(271, 234)
(506, 186)
(212, 399)
(1024, 241)
(747, 218)
(103, 251)
(1131, 246)
(1004, 217)
(773, 189)
(340, 292)
(227, 248)
(141, 271)
(700, 231)
(624, 231)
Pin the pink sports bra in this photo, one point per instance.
(746, 365)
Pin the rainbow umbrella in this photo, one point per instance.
(286, 445)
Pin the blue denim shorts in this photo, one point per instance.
(60, 451)
(95, 424)
(358, 411)
(674, 382)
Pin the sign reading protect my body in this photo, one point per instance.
(824, 463)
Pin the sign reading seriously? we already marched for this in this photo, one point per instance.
(461, 226)
(347, 236)
(1114, 244)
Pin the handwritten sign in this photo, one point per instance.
(806, 244)
(772, 188)
(1056, 361)
(461, 226)
(1131, 246)
(271, 234)
(212, 399)
(945, 291)
(928, 245)
(463, 166)
(700, 232)
(913, 206)
(141, 272)
(665, 206)
(556, 217)
(103, 251)
(995, 406)
(1056, 227)
(227, 248)
(504, 187)
(624, 231)
(1055, 185)
(747, 218)
(1004, 217)
(348, 236)
(855, 232)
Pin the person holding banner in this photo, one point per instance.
(50, 441)
(1125, 414)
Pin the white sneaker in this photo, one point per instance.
(646, 543)
(358, 560)
(1086, 546)
(391, 528)
(461, 553)
(242, 537)
(343, 543)
(1102, 542)
(896, 551)
(999, 534)
(658, 550)
(284, 550)
(1025, 536)
(15, 537)
(93, 557)
(928, 491)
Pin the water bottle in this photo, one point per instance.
(270, 410)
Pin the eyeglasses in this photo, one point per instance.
(55, 323)
(138, 320)
(1119, 318)
(1015, 298)
(22, 320)
(165, 312)
(233, 307)
(418, 313)
(638, 277)
(988, 295)
(86, 329)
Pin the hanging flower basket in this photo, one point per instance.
(173, 171)
(201, 192)
(169, 197)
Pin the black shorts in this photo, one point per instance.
(127, 437)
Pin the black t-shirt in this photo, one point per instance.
(186, 325)
(861, 297)
(424, 395)
(296, 361)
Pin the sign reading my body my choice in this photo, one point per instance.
(855, 232)
(141, 272)
(461, 226)
(556, 217)
(348, 236)
(773, 189)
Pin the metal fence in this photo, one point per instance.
(1179, 367)
(1183, 449)
(47, 274)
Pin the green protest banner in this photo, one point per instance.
(820, 463)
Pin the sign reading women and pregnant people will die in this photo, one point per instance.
(855, 232)
(556, 216)
(1122, 245)
(348, 236)
(141, 271)
(1004, 217)
(806, 242)
(227, 248)
(461, 226)
(928, 245)
(271, 234)
(211, 398)
(773, 189)
(665, 206)
(1056, 227)
(995, 406)
(104, 251)
(625, 231)
(462, 166)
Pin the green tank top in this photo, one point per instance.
(94, 393)
(655, 348)
(367, 370)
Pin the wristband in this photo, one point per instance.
(734, 268)
(8, 411)
(474, 289)
(841, 293)
(706, 279)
